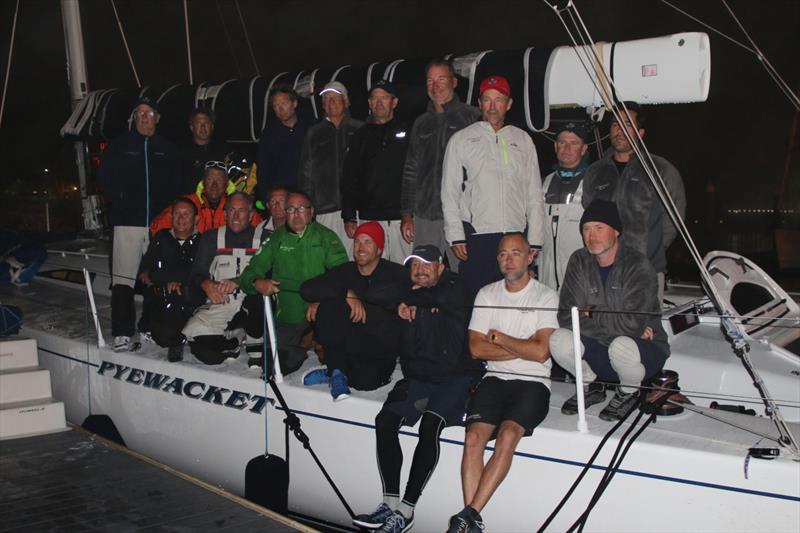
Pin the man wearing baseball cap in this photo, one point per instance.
(563, 189)
(322, 158)
(360, 339)
(437, 374)
(491, 186)
(373, 171)
(140, 175)
(606, 279)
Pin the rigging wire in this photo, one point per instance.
(8, 63)
(188, 41)
(228, 39)
(247, 38)
(125, 42)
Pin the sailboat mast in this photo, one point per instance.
(79, 87)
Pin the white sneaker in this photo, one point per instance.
(145, 336)
(122, 343)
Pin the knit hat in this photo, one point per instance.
(602, 211)
(374, 231)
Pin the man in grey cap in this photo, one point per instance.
(140, 175)
(563, 189)
(622, 340)
(322, 158)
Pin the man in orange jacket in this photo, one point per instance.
(209, 199)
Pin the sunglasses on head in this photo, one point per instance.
(217, 164)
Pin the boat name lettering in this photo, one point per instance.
(195, 390)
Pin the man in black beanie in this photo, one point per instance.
(622, 340)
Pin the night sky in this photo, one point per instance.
(737, 140)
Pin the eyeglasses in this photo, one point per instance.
(217, 164)
(298, 209)
(143, 114)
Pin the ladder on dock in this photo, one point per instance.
(27, 406)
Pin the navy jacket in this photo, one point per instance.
(138, 183)
(279, 155)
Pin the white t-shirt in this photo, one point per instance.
(503, 315)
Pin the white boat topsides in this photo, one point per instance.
(209, 421)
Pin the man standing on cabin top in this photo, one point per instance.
(200, 149)
(438, 372)
(420, 198)
(620, 177)
(622, 339)
(510, 329)
(563, 189)
(210, 202)
(323, 156)
(299, 250)
(373, 171)
(361, 340)
(221, 257)
(280, 143)
(140, 176)
(165, 272)
(491, 186)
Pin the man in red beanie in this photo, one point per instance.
(361, 340)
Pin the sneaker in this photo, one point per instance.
(122, 343)
(339, 388)
(593, 394)
(175, 353)
(396, 523)
(620, 405)
(255, 362)
(375, 519)
(232, 353)
(466, 521)
(145, 336)
(317, 376)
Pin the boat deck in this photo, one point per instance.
(72, 481)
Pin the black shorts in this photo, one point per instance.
(522, 401)
(410, 398)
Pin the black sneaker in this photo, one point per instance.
(175, 353)
(375, 519)
(466, 521)
(595, 394)
(620, 405)
(255, 362)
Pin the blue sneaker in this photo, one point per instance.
(397, 523)
(316, 376)
(375, 519)
(339, 388)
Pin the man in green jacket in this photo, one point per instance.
(297, 251)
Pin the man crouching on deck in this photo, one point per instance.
(510, 329)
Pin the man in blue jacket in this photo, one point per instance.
(140, 175)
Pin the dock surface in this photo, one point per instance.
(74, 481)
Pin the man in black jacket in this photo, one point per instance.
(323, 155)
(373, 171)
(438, 373)
(200, 149)
(360, 339)
(165, 268)
(140, 176)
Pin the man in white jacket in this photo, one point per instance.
(490, 186)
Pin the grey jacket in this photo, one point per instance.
(321, 162)
(422, 173)
(630, 294)
(647, 227)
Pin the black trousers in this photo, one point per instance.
(164, 316)
(367, 356)
(480, 268)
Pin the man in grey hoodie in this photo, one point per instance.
(620, 319)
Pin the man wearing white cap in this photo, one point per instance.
(322, 158)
